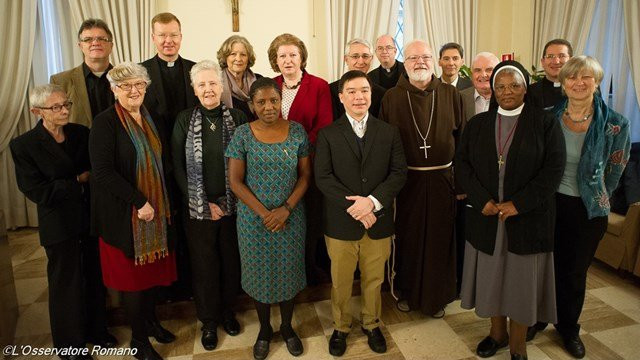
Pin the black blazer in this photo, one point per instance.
(47, 176)
(114, 191)
(377, 92)
(534, 167)
(341, 170)
(154, 99)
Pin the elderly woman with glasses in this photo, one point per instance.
(236, 57)
(52, 170)
(509, 162)
(130, 207)
(200, 137)
(598, 144)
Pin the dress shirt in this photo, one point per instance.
(360, 128)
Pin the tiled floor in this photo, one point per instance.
(610, 322)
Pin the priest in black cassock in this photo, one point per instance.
(169, 93)
(547, 92)
(390, 69)
(430, 117)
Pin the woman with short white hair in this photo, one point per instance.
(200, 137)
(130, 207)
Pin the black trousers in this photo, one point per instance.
(315, 256)
(576, 241)
(77, 312)
(215, 264)
(460, 241)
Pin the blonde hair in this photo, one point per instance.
(286, 39)
(581, 63)
(165, 18)
(227, 45)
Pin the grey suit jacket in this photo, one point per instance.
(468, 102)
(73, 83)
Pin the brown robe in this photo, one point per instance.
(425, 247)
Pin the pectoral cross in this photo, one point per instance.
(500, 162)
(235, 13)
(425, 147)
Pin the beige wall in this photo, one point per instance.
(207, 23)
(506, 26)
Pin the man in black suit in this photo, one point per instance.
(357, 56)
(390, 69)
(360, 168)
(547, 92)
(451, 60)
(52, 169)
(169, 93)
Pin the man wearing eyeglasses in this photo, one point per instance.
(547, 92)
(390, 69)
(357, 56)
(169, 93)
(430, 117)
(87, 85)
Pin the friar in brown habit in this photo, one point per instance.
(430, 116)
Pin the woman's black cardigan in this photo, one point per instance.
(534, 167)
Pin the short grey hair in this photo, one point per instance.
(486, 55)
(205, 65)
(357, 41)
(417, 41)
(41, 93)
(580, 63)
(127, 71)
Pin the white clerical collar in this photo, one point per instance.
(353, 121)
(556, 84)
(513, 112)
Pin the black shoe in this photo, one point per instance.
(533, 330)
(338, 343)
(231, 326)
(488, 347)
(294, 345)
(209, 339)
(106, 341)
(144, 350)
(574, 346)
(261, 349)
(376, 340)
(159, 333)
(517, 356)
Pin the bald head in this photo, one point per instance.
(481, 69)
(386, 51)
(418, 62)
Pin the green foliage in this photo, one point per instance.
(465, 71)
(536, 75)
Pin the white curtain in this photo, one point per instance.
(366, 19)
(129, 20)
(18, 29)
(441, 21)
(631, 9)
(566, 19)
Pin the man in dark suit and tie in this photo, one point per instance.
(359, 168)
(451, 60)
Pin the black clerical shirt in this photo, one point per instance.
(98, 89)
(544, 94)
(173, 84)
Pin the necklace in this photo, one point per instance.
(581, 120)
(284, 82)
(212, 125)
(502, 146)
(424, 138)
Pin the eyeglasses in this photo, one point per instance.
(357, 56)
(559, 56)
(170, 36)
(512, 87)
(140, 85)
(389, 48)
(100, 39)
(424, 58)
(57, 108)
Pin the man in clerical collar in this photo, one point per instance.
(387, 74)
(476, 98)
(87, 86)
(170, 90)
(169, 93)
(357, 56)
(547, 92)
(451, 59)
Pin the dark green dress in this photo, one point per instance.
(272, 263)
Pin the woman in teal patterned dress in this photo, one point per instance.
(269, 171)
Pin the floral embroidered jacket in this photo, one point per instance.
(605, 153)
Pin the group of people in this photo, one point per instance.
(251, 175)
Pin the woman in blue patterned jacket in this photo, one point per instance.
(598, 143)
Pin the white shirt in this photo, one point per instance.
(454, 83)
(482, 104)
(360, 128)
